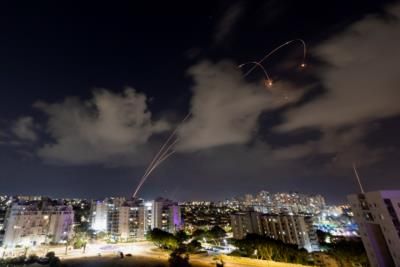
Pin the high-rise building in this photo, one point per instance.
(291, 229)
(145, 218)
(244, 223)
(99, 210)
(166, 215)
(118, 218)
(378, 216)
(36, 223)
(118, 222)
(129, 220)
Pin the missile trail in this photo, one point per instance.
(166, 150)
(163, 153)
(303, 64)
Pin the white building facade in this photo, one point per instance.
(131, 220)
(244, 223)
(378, 217)
(31, 225)
(291, 229)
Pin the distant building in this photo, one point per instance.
(244, 223)
(36, 223)
(284, 202)
(378, 216)
(291, 229)
(206, 215)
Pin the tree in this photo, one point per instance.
(82, 234)
(265, 248)
(181, 236)
(79, 240)
(53, 260)
(349, 253)
(216, 234)
(68, 242)
(32, 259)
(194, 246)
(101, 235)
(199, 234)
(163, 239)
(50, 254)
(177, 259)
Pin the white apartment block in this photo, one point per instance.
(378, 217)
(118, 223)
(291, 229)
(31, 225)
(99, 216)
(244, 223)
(129, 220)
(166, 215)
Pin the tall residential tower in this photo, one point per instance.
(378, 216)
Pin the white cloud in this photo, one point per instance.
(362, 81)
(24, 128)
(105, 129)
(225, 108)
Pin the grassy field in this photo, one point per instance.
(141, 261)
(110, 261)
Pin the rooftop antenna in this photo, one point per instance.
(358, 177)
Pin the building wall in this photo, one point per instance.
(166, 215)
(175, 221)
(244, 223)
(378, 216)
(145, 219)
(134, 224)
(61, 220)
(123, 224)
(30, 225)
(131, 220)
(99, 216)
(291, 229)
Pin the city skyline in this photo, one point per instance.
(87, 100)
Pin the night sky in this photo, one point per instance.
(89, 92)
